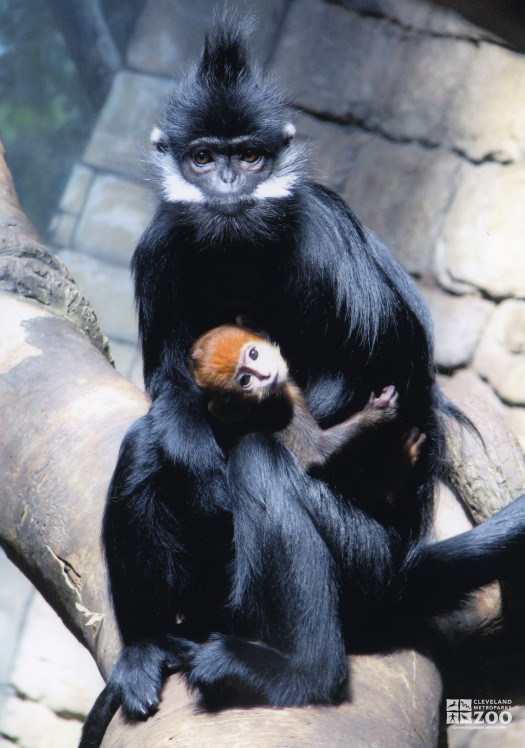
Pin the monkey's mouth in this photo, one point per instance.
(277, 379)
(230, 205)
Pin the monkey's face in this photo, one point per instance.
(227, 173)
(225, 176)
(225, 153)
(260, 371)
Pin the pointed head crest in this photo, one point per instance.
(224, 58)
(225, 97)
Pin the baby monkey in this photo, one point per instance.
(246, 380)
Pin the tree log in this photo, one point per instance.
(90, 44)
(64, 413)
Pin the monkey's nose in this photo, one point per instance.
(262, 377)
(228, 175)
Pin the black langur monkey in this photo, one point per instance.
(246, 382)
(236, 566)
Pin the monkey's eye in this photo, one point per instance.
(244, 381)
(251, 155)
(253, 354)
(202, 157)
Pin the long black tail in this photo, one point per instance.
(99, 717)
(440, 574)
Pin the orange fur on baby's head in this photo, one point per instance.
(214, 356)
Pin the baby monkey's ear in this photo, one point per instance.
(242, 321)
(194, 360)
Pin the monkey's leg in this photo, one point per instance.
(158, 522)
(285, 589)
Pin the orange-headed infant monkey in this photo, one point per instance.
(246, 380)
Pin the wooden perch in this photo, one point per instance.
(64, 413)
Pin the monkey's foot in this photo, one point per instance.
(138, 674)
(413, 444)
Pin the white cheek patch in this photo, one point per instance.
(174, 187)
(286, 173)
(276, 186)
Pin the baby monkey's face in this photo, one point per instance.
(261, 369)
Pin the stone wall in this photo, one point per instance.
(415, 116)
(418, 119)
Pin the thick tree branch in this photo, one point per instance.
(90, 44)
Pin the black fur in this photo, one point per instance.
(235, 566)
(225, 98)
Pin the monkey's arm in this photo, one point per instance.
(169, 478)
(162, 305)
(314, 446)
(178, 422)
(169, 474)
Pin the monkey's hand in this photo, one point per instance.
(383, 408)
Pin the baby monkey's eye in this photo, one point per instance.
(202, 157)
(244, 381)
(254, 354)
(251, 155)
